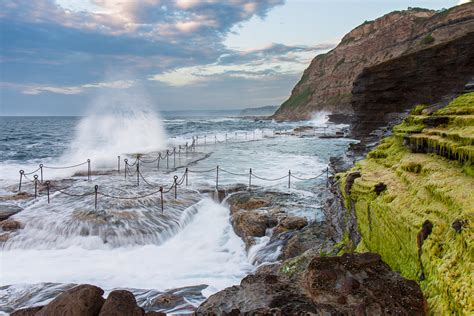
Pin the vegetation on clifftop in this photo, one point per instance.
(424, 172)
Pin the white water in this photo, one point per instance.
(319, 118)
(117, 123)
(213, 256)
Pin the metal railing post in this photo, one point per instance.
(118, 164)
(186, 172)
(47, 189)
(250, 178)
(21, 177)
(158, 163)
(167, 158)
(126, 167)
(138, 170)
(36, 185)
(96, 188)
(289, 179)
(175, 187)
(174, 157)
(217, 177)
(41, 170)
(327, 177)
(88, 169)
(161, 192)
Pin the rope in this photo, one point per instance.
(202, 171)
(67, 167)
(27, 173)
(269, 179)
(233, 173)
(304, 179)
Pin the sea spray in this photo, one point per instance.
(118, 122)
(319, 118)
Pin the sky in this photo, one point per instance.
(58, 56)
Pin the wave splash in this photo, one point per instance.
(123, 122)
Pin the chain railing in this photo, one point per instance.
(39, 183)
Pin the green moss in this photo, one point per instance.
(293, 266)
(298, 99)
(422, 187)
(417, 110)
(428, 39)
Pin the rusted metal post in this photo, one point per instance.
(88, 170)
(217, 177)
(96, 188)
(47, 189)
(138, 170)
(41, 172)
(161, 192)
(126, 167)
(175, 187)
(36, 185)
(250, 178)
(21, 178)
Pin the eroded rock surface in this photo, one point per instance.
(353, 284)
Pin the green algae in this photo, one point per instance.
(435, 185)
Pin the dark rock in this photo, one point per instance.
(10, 225)
(8, 210)
(290, 223)
(16, 197)
(153, 313)
(458, 225)
(435, 121)
(350, 181)
(4, 237)
(168, 301)
(380, 187)
(121, 303)
(251, 224)
(82, 300)
(30, 311)
(353, 284)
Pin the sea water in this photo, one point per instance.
(133, 243)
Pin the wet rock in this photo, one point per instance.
(434, 121)
(16, 197)
(82, 300)
(363, 282)
(153, 313)
(168, 301)
(121, 303)
(457, 225)
(353, 284)
(30, 311)
(290, 223)
(380, 187)
(8, 210)
(10, 225)
(248, 204)
(249, 224)
(4, 237)
(350, 181)
(314, 236)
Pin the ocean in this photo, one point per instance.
(125, 239)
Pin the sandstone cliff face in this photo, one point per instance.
(327, 83)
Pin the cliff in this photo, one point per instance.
(414, 203)
(327, 84)
(260, 111)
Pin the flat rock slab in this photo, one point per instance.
(7, 210)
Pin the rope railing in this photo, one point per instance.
(162, 189)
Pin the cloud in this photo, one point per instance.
(69, 90)
(263, 63)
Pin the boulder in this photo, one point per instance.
(81, 300)
(289, 223)
(8, 210)
(249, 224)
(10, 225)
(30, 311)
(168, 301)
(353, 284)
(121, 303)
